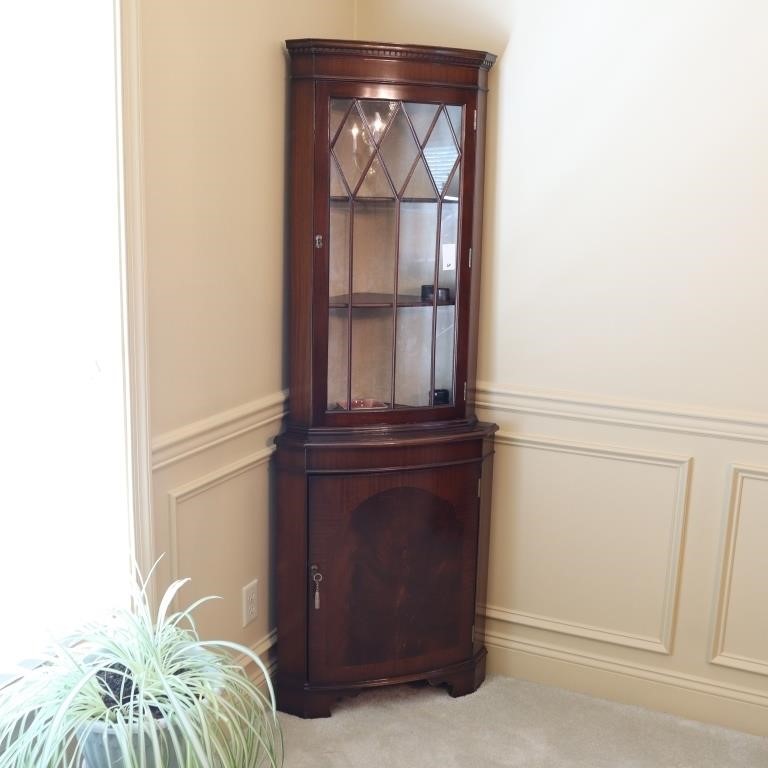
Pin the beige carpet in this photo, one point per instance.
(509, 723)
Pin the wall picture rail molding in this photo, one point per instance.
(720, 653)
(662, 643)
(716, 424)
(643, 672)
(178, 444)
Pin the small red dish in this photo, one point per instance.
(359, 403)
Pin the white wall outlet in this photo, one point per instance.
(250, 602)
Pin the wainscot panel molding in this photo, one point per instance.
(661, 642)
(744, 543)
(655, 416)
(185, 442)
(177, 496)
(569, 480)
(653, 644)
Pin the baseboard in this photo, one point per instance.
(266, 650)
(684, 695)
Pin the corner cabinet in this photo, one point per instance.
(383, 473)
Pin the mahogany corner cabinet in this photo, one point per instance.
(383, 472)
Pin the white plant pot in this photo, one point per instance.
(101, 747)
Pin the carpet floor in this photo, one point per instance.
(506, 723)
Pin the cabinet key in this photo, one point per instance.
(316, 579)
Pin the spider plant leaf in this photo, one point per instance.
(168, 597)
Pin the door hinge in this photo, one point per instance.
(470, 258)
(479, 484)
(474, 121)
(473, 633)
(465, 391)
(318, 241)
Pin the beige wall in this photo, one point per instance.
(624, 294)
(622, 342)
(213, 112)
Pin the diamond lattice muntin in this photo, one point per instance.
(387, 150)
(395, 181)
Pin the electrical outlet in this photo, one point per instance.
(250, 602)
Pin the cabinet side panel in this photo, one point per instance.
(291, 565)
(467, 296)
(301, 202)
(477, 244)
(483, 543)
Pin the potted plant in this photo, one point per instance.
(141, 690)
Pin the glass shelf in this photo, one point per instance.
(382, 300)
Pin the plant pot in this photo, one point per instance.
(101, 746)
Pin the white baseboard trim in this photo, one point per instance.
(681, 694)
(744, 427)
(264, 649)
(629, 669)
(178, 444)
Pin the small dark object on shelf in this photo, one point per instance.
(428, 293)
(440, 397)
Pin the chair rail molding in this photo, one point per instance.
(747, 427)
(179, 444)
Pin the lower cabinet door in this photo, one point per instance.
(392, 564)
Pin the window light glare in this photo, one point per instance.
(65, 527)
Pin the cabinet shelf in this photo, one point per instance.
(382, 301)
(380, 200)
(385, 406)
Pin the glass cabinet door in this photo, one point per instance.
(395, 180)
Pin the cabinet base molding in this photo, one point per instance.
(310, 701)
